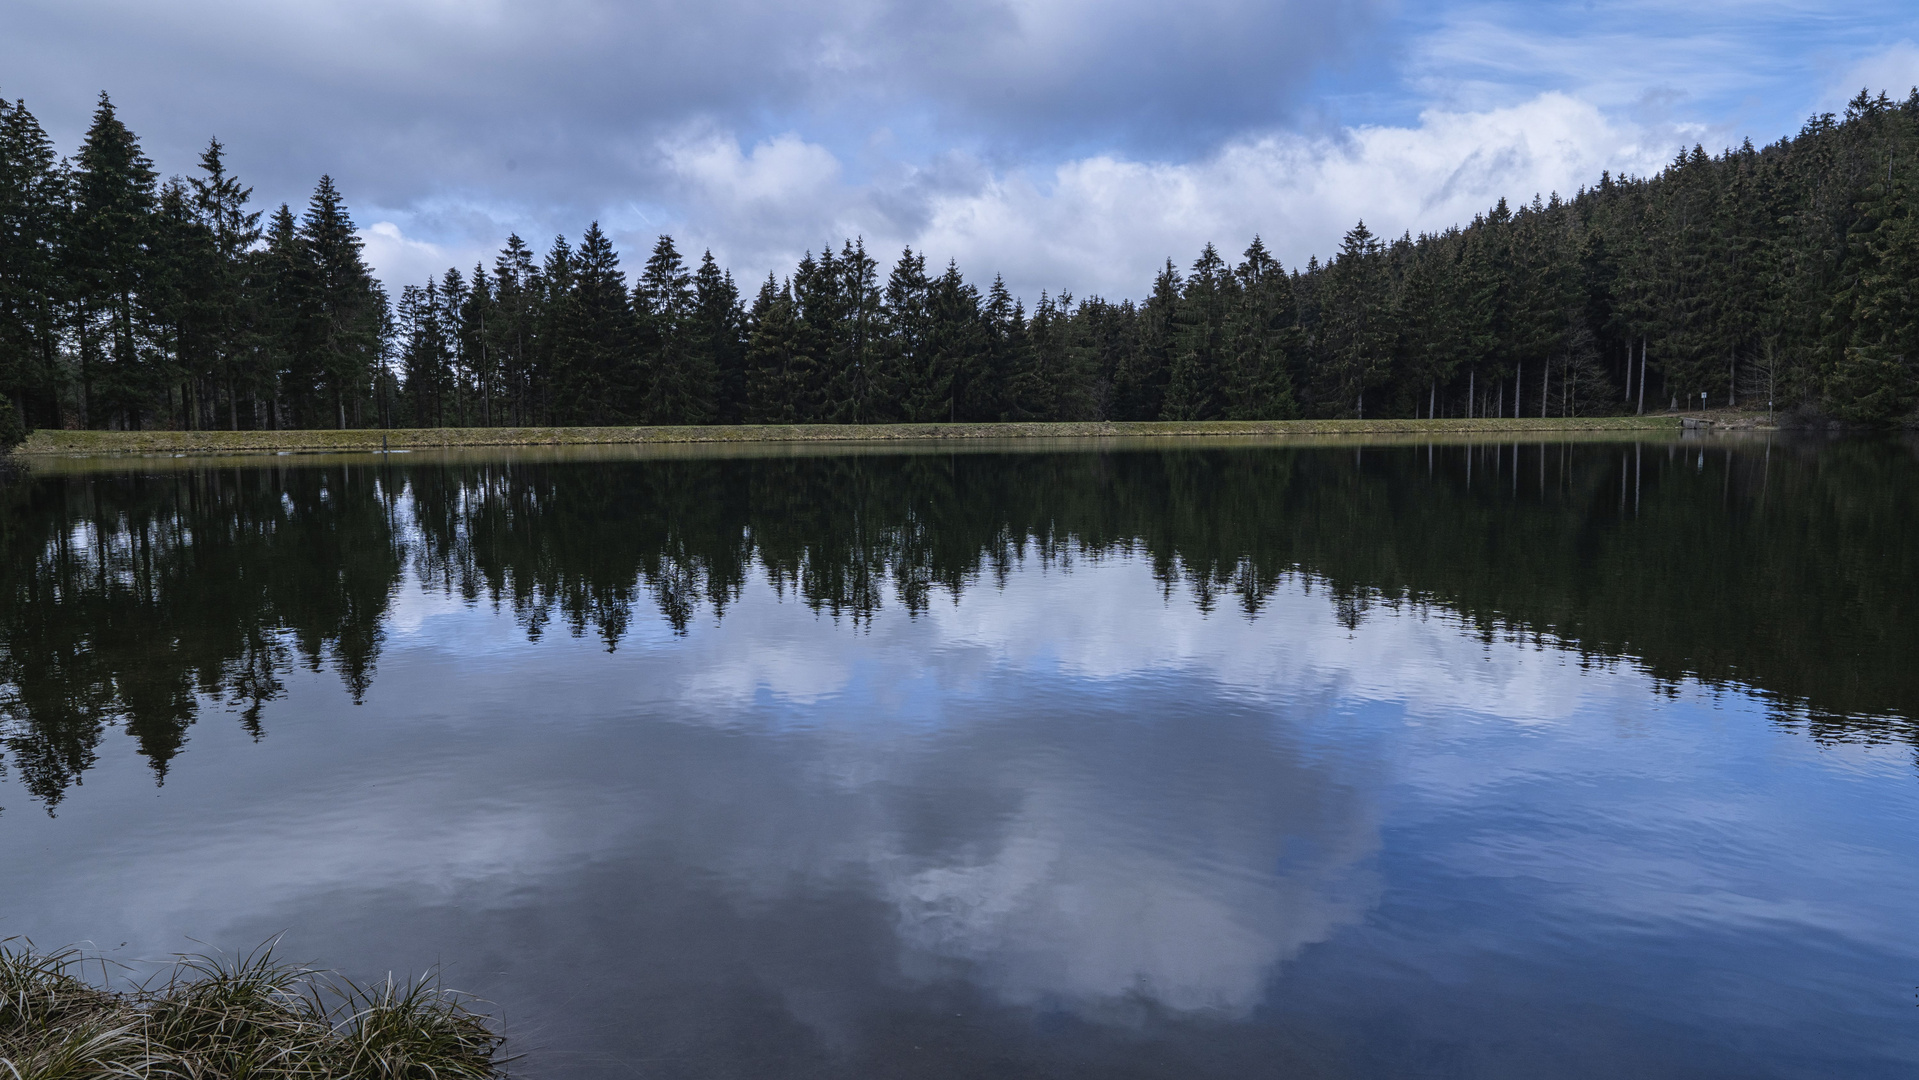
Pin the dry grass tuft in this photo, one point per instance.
(254, 1018)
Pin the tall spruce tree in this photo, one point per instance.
(682, 381)
(34, 289)
(338, 317)
(1262, 337)
(220, 205)
(717, 339)
(107, 248)
(596, 378)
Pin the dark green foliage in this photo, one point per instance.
(34, 289)
(1777, 276)
(11, 429)
(108, 249)
(595, 382)
(677, 362)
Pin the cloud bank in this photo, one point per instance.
(1064, 143)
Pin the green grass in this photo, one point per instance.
(253, 1018)
(49, 441)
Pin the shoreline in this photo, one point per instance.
(51, 442)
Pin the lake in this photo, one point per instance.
(1180, 759)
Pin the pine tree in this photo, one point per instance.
(857, 386)
(914, 368)
(1875, 315)
(780, 375)
(176, 294)
(425, 353)
(338, 333)
(1356, 346)
(1195, 386)
(1140, 383)
(33, 288)
(220, 204)
(681, 382)
(958, 341)
(819, 306)
(1262, 337)
(552, 358)
(718, 338)
(593, 361)
(517, 289)
(113, 193)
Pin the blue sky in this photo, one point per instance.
(1069, 144)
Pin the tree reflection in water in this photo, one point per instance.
(137, 596)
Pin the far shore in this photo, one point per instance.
(63, 442)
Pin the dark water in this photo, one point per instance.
(1568, 760)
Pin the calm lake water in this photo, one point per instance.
(1587, 759)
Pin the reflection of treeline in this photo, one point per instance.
(129, 597)
(1776, 274)
(125, 599)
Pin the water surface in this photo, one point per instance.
(1529, 760)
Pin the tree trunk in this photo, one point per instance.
(1642, 376)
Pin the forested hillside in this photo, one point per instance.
(1784, 275)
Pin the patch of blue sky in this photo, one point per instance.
(1745, 69)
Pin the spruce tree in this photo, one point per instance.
(517, 295)
(1140, 383)
(913, 365)
(958, 340)
(718, 339)
(1356, 346)
(1262, 338)
(1195, 385)
(107, 246)
(681, 379)
(778, 373)
(338, 334)
(595, 375)
(34, 291)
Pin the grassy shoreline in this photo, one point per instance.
(91, 443)
(212, 1017)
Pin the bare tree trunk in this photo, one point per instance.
(1470, 376)
(1642, 376)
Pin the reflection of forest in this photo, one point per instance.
(129, 598)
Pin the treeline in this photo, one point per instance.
(1780, 276)
(136, 599)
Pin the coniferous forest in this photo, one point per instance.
(1782, 276)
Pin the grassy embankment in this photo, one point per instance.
(255, 1017)
(49, 441)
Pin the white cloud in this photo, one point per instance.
(1894, 70)
(399, 259)
(1103, 224)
